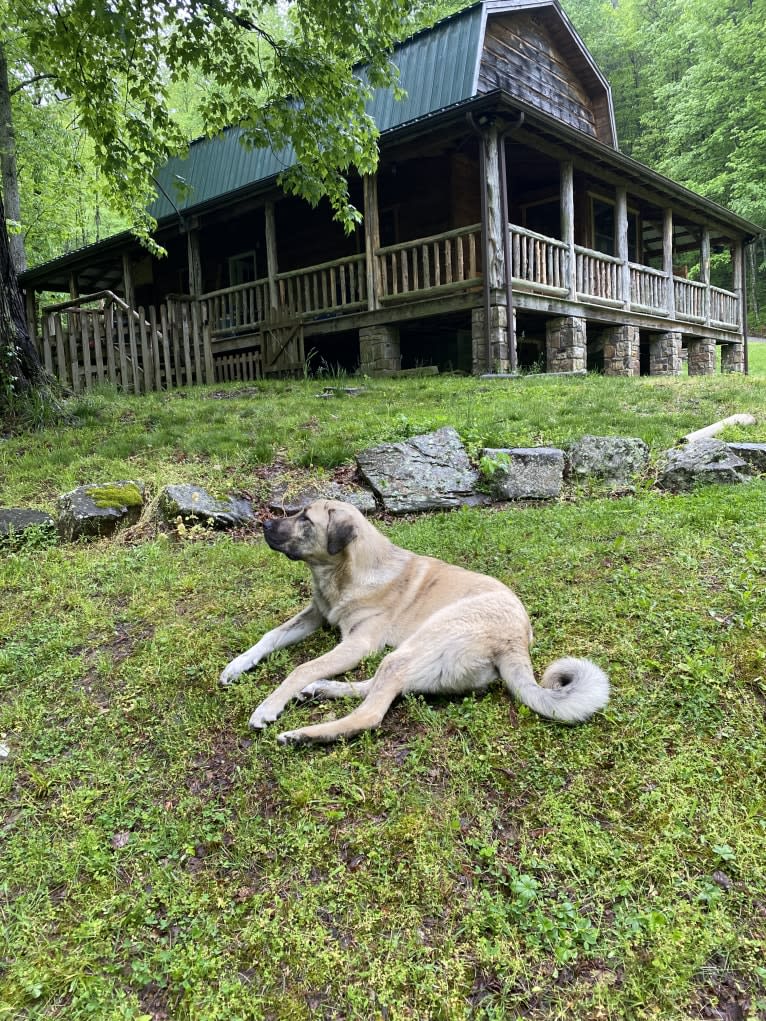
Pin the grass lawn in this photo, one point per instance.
(468, 860)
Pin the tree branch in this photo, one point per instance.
(29, 81)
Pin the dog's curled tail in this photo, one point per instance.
(571, 690)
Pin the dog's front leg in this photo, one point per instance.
(343, 657)
(294, 630)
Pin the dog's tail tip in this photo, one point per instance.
(579, 688)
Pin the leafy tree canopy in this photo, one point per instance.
(284, 71)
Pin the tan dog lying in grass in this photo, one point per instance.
(452, 630)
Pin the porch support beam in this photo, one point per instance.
(194, 260)
(705, 271)
(622, 245)
(738, 263)
(667, 261)
(495, 268)
(567, 224)
(127, 280)
(372, 239)
(272, 265)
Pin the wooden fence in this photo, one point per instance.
(99, 339)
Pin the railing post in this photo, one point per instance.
(567, 225)
(371, 239)
(705, 272)
(667, 262)
(622, 247)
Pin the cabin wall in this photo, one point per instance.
(521, 57)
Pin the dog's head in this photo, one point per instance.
(317, 535)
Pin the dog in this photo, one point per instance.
(452, 630)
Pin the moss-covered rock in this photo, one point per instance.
(99, 508)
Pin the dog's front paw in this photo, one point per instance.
(262, 717)
(235, 669)
(291, 737)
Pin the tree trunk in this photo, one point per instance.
(20, 366)
(8, 161)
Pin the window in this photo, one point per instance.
(242, 269)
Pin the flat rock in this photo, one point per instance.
(754, 454)
(14, 521)
(98, 509)
(423, 473)
(194, 505)
(704, 460)
(526, 473)
(615, 459)
(290, 500)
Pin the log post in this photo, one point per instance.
(622, 246)
(372, 240)
(738, 261)
(567, 224)
(272, 265)
(127, 280)
(31, 314)
(194, 260)
(705, 272)
(495, 249)
(667, 262)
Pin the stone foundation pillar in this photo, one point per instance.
(665, 354)
(498, 325)
(565, 345)
(621, 351)
(379, 349)
(701, 352)
(733, 357)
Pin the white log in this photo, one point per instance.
(716, 427)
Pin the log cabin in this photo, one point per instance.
(503, 229)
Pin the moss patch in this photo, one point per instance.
(117, 494)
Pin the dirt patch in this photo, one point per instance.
(725, 995)
(102, 688)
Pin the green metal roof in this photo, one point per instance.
(437, 68)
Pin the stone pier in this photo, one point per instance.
(379, 349)
(701, 352)
(733, 357)
(665, 354)
(498, 325)
(566, 345)
(621, 350)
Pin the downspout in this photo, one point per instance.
(484, 236)
(507, 242)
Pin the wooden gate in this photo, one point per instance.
(282, 339)
(99, 339)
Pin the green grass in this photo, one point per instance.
(469, 860)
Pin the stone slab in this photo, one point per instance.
(291, 500)
(615, 459)
(14, 521)
(754, 454)
(526, 473)
(194, 505)
(423, 473)
(704, 460)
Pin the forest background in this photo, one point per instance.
(688, 79)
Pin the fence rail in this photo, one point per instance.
(340, 285)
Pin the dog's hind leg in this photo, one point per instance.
(336, 689)
(387, 684)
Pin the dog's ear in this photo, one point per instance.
(340, 532)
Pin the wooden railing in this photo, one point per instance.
(538, 260)
(237, 309)
(724, 307)
(690, 299)
(597, 275)
(648, 289)
(439, 262)
(337, 286)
